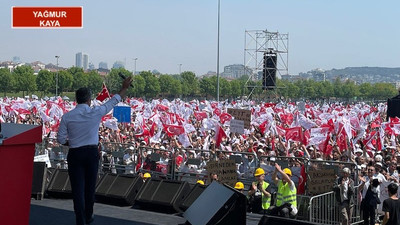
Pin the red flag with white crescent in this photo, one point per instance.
(218, 136)
(173, 130)
(104, 94)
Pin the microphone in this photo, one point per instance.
(123, 77)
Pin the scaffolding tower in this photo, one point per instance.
(258, 43)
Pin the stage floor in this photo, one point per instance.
(60, 212)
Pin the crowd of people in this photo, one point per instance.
(357, 133)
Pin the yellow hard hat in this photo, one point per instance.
(200, 182)
(147, 175)
(287, 171)
(239, 185)
(259, 171)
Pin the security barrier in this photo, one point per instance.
(324, 209)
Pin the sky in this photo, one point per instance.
(165, 33)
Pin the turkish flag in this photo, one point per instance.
(200, 115)
(218, 136)
(160, 107)
(324, 146)
(294, 133)
(173, 130)
(224, 117)
(217, 111)
(104, 94)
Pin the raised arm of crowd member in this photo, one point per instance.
(306, 153)
(285, 177)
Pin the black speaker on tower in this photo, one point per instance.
(269, 71)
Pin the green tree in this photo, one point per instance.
(328, 89)
(152, 87)
(25, 80)
(80, 80)
(236, 88)
(176, 89)
(225, 87)
(6, 80)
(74, 70)
(365, 90)
(350, 89)
(95, 82)
(337, 88)
(383, 91)
(65, 81)
(45, 81)
(114, 81)
(207, 87)
(190, 84)
(138, 86)
(166, 82)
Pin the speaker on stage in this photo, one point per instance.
(218, 204)
(273, 220)
(118, 189)
(192, 196)
(59, 185)
(269, 71)
(393, 107)
(162, 195)
(39, 180)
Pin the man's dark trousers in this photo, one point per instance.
(83, 163)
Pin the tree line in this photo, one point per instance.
(184, 85)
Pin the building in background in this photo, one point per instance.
(82, 60)
(235, 71)
(118, 64)
(103, 65)
(16, 59)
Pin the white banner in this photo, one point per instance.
(237, 126)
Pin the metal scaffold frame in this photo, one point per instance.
(258, 43)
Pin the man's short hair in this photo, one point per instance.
(392, 188)
(83, 95)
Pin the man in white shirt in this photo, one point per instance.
(79, 129)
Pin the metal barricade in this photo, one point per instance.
(324, 209)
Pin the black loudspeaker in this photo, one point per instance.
(59, 185)
(269, 71)
(39, 180)
(218, 204)
(273, 220)
(393, 107)
(192, 196)
(118, 189)
(162, 195)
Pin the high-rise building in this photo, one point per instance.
(118, 64)
(82, 60)
(103, 65)
(85, 62)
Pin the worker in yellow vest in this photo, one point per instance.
(286, 198)
(260, 193)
